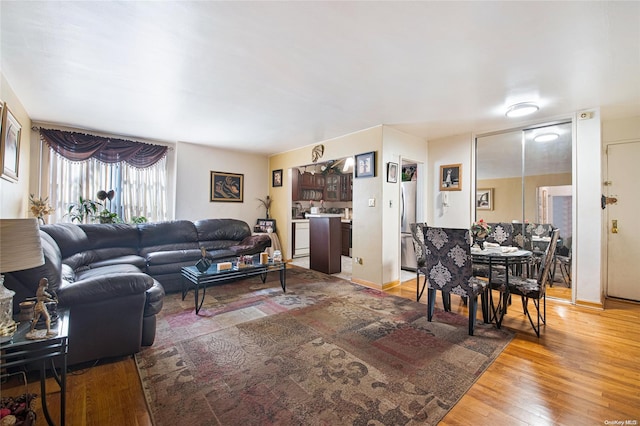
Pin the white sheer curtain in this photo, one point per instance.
(138, 192)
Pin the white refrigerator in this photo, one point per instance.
(408, 197)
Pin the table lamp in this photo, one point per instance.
(20, 248)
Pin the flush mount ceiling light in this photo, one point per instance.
(521, 109)
(546, 137)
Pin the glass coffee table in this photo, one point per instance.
(192, 277)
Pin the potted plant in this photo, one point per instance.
(266, 203)
(480, 230)
(40, 207)
(83, 209)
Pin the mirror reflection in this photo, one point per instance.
(525, 177)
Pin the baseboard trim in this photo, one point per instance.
(591, 305)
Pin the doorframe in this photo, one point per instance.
(605, 212)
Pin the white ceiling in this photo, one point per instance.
(274, 76)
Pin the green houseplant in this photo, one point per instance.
(84, 209)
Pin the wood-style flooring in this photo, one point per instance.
(583, 370)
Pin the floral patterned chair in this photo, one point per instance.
(449, 269)
(539, 230)
(528, 288)
(418, 231)
(501, 233)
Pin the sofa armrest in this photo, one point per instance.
(103, 287)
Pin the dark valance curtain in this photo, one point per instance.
(80, 147)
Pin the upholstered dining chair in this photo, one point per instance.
(417, 231)
(501, 233)
(449, 269)
(528, 288)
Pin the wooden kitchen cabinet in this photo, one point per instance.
(346, 187)
(332, 187)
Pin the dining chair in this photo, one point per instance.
(529, 288)
(539, 230)
(501, 233)
(563, 261)
(448, 269)
(418, 231)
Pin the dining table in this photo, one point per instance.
(500, 259)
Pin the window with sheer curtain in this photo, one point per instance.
(138, 191)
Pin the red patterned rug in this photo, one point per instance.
(326, 352)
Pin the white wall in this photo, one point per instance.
(396, 145)
(587, 246)
(192, 182)
(14, 196)
(367, 221)
(451, 150)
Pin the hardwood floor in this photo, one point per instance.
(584, 369)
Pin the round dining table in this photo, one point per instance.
(504, 259)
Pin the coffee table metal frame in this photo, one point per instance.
(192, 277)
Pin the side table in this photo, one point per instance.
(20, 351)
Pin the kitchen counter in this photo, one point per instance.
(299, 220)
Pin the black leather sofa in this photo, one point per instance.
(113, 277)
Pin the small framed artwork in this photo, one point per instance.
(392, 172)
(484, 199)
(276, 178)
(9, 145)
(451, 177)
(366, 165)
(227, 187)
(265, 224)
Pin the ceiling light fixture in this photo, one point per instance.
(546, 137)
(521, 109)
(348, 164)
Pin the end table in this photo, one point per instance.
(20, 351)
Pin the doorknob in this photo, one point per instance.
(614, 226)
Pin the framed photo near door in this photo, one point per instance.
(451, 177)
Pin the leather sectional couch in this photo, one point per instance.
(113, 277)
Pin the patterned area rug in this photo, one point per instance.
(326, 352)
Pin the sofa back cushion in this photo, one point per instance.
(216, 234)
(111, 240)
(74, 244)
(169, 235)
(70, 238)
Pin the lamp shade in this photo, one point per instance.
(20, 246)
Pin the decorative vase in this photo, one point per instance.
(479, 239)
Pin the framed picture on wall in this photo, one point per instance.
(366, 165)
(9, 145)
(227, 187)
(451, 177)
(276, 178)
(392, 172)
(484, 199)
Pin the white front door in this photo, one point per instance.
(623, 246)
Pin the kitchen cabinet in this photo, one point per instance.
(307, 187)
(300, 238)
(346, 187)
(332, 187)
